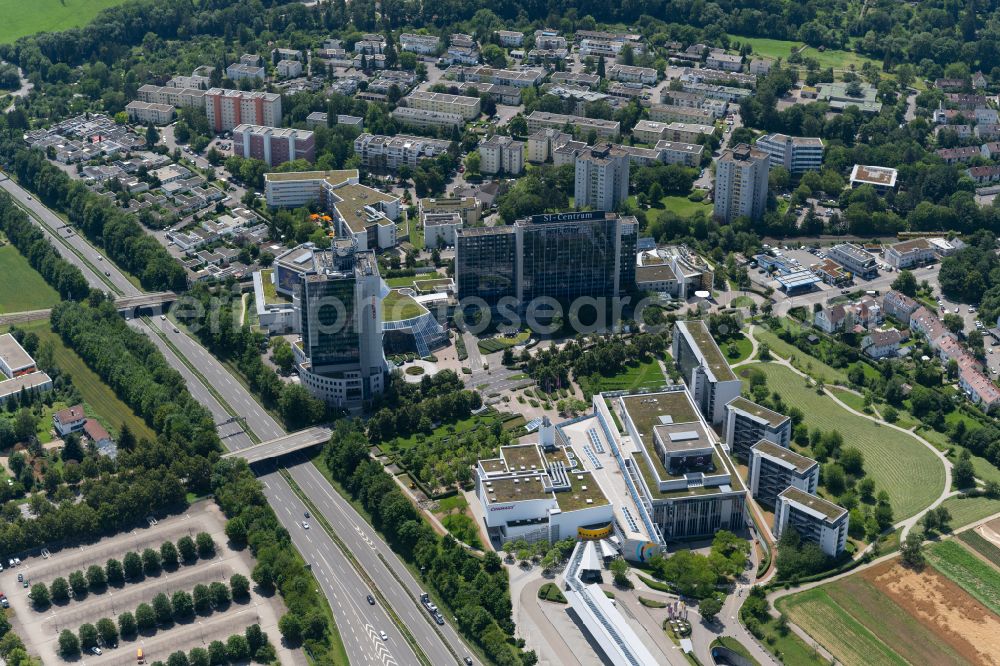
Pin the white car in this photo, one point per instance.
(305, 525)
(384, 635)
(96, 650)
(956, 310)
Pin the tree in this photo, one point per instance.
(126, 624)
(69, 644)
(59, 589)
(911, 551)
(620, 569)
(132, 564)
(220, 594)
(237, 648)
(168, 554)
(202, 598)
(852, 460)
(145, 617)
(182, 604)
(187, 549)
(96, 578)
(290, 628)
(906, 283)
(236, 529)
(256, 638)
(199, 657)
(240, 586)
(114, 573)
(88, 636)
(162, 609)
(151, 562)
(178, 658)
(963, 474)
(107, 630)
(217, 653)
(709, 608)
(39, 596)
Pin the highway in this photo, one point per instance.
(344, 588)
(64, 237)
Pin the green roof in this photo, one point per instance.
(800, 462)
(645, 410)
(752, 408)
(581, 489)
(397, 306)
(829, 510)
(702, 338)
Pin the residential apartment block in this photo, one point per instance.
(422, 119)
(605, 129)
(273, 145)
(228, 108)
(774, 468)
(630, 74)
(466, 107)
(795, 153)
(149, 113)
(382, 153)
(176, 97)
(748, 423)
(422, 44)
(814, 518)
(602, 177)
(741, 181)
(708, 377)
(501, 154)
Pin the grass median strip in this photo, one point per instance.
(318, 516)
(211, 389)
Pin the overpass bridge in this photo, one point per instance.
(295, 441)
(133, 306)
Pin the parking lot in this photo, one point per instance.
(40, 630)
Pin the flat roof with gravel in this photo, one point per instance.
(828, 509)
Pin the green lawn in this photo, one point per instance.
(679, 205)
(397, 282)
(454, 503)
(97, 396)
(970, 573)
(860, 624)
(778, 48)
(397, 307)
(26, 18)
(741, 302)
(743, 346)
(892, 459)
(551, 592)
(24, 288)
(501, 342)
(646, 375)
(806, 363)
(849, 398)
(966, 510)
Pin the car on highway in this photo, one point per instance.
(371, 600)
(175, 330)
(107, 273)
(163, 317)
(468, 660)
(29, 197)
(305, 525)
(383, 635)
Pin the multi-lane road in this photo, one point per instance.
(346, 590)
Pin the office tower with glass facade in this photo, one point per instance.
(562, 256)
(339, 311)
(485, 263)
(572, 255)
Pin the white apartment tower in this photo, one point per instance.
(602, 177)
(741, 183)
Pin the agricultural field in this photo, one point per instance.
(27, 18)
(890, 614)
(892, 459)
(986, 548)
(972, 574)
(98, 397)
(32, 292)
